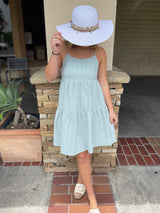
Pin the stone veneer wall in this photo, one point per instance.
(103, 157)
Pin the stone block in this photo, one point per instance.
(47, 133)
(43, 127)
(113, 102)
(47, 122)
(46, 110)
(54, 97)
(53, 149)
(96, 150)
(47, 144)
(53, 164)
(71, 164)
(50, 127)
(101, 164)
(116, 131)
(39, 103)
(113, 162)
(56, 86)
(116, 126)
(99, 159)
(51, 116)
(116, 91)
(43, 98)
(47, 86)
(105, 147)
(57, 148)
(45, 156)
(50, 104)
(44, 138)
(43, 116)
(55, 160)
(39, 92)
(116, 109)
(109, 150)
(50, 138)
(116, 85)
(118, 103)
(49, 91)
(115, 97)
(115, 145)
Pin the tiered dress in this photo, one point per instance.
(82, 119)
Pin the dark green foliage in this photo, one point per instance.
(10, 97)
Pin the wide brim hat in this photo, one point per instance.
(85, 29)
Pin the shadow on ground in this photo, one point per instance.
(139, 111)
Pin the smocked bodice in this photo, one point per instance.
(79, 68)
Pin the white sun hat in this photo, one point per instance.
(85, 29)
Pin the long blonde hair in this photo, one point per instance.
(69, 44)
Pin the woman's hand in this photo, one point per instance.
(113, 117)
(56, 42)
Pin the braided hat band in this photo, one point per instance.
(84, 29)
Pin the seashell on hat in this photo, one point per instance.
(85, 29)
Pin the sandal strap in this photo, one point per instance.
(79, 188)
(94, 210)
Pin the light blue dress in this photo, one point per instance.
(82, 119)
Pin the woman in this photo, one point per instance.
(84, 117)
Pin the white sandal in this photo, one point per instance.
(81, 189)
(94, 210)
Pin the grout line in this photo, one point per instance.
(125, 154)
(146, 155)
(117, 160)
(124, 157)
(157, 140)
(150, 153)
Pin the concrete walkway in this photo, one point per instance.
(136, 188)
(24, 189)
(27, 189)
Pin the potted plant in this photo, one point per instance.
(20, 138)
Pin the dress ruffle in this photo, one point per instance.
(87, 130)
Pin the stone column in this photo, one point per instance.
(104, 157)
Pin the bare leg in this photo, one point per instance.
(79, 180)
(84, 166)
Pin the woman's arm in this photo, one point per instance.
(53, 67)
(102, 78)
(55, 62)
